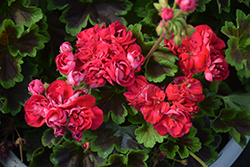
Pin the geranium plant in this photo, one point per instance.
(123, 82)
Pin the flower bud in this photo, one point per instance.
(36, 87)
(167, 14)
(65, 47)
(186, 5)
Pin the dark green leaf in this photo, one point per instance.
(238, 101)
(141, 7)
(33, 140)
(12, 104)
(160, 65)
(245, 2)
(112, 102)
(148, 136)
(182, 145)
(136, 119)
(201, 5)
(13, 44)
(233, 121)
(41, 159)
(77, 13)
(109, 136)
(137, 34)
(67, 154)
(20, 13)
(49, 139)
(137, 158)
(238, 50)
(224, 5)
(209, 104)
(117, 160)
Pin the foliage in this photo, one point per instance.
(31, 33)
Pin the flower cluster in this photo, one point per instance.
(201, 52)
(59, 106)
(103, 54)
(183, 94)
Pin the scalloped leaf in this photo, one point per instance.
(246, 2)
(140, 6)
(112, 102)
(20, 13)
(77, 13)
(67, 154)
(238, 52)
(224, 5)
(148, 136)
(49, 139)
(238, 101)
(138, 35)
(109, 136)
(232, 120)
(41, 159)
(160, 65)
(137, 158)
(15, 43)
(136, 119)
(13, 104)
(117, 160)
(182, 145)
(209, 104)
(33, 140)
(201, 5)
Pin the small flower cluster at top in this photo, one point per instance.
(59, 105)
(103, 54)
(201, 52)
(183, 95)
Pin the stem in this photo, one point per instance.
(174, 6)
(179, 12)
(197, 158)
(166, 1)
(20, 145)
(155, 46)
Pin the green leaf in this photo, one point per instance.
(117, 160)
(138, 35)
(245, 2)
(207, 152)
(13, 104)
(182, 145)
(160, 65)
(136, 119)
(148, 136)
(112, 102)
(41, 159)
(67, 154)
(239, 101)
(201, 5)
(141, 7)
(49, 139)
(13, 44)
(209, 104)
(109, 136)
(224, 5)
(231, 120)
(238, 52)
(21, 14)
(137, 158)
(77, 13)
(33, 140)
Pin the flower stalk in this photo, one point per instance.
(154, 47)
(197, 158)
